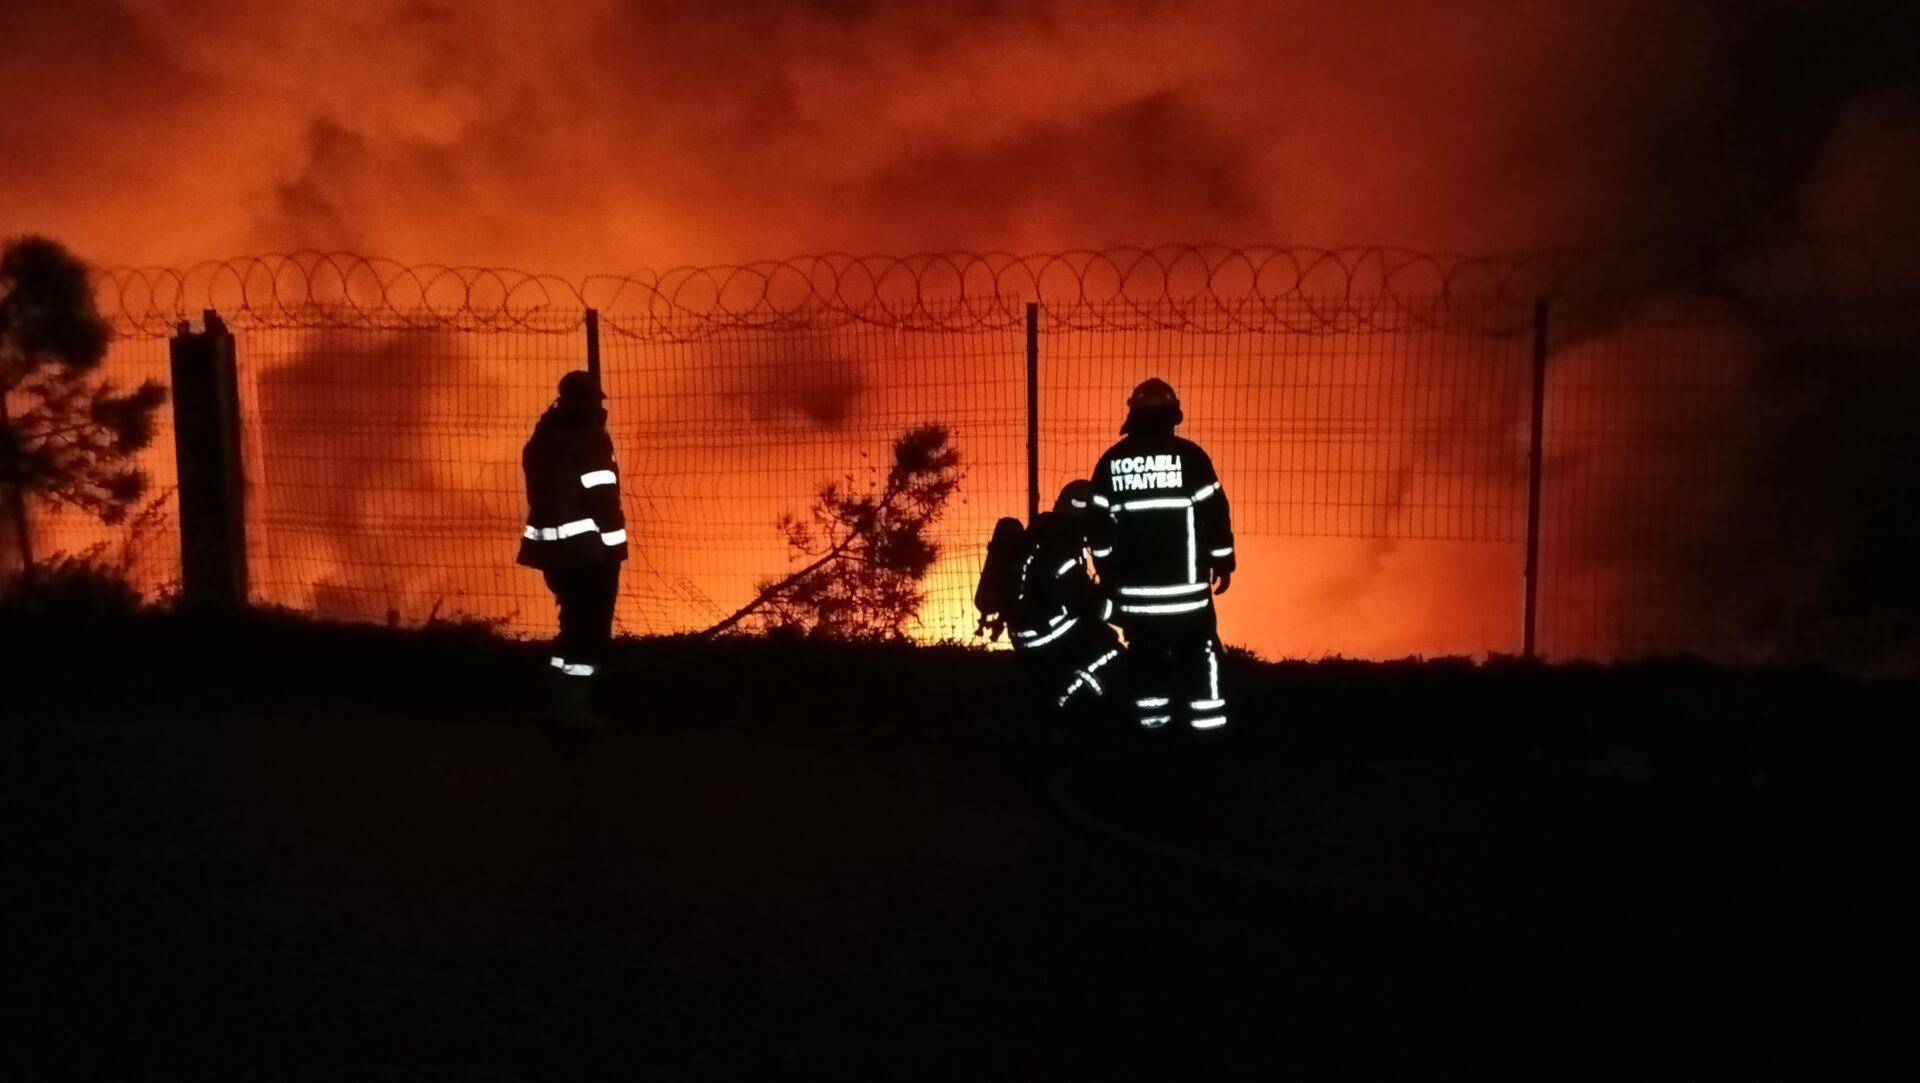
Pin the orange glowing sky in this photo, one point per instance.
(600, 136)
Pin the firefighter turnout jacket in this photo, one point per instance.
(1055, 594)
(1159, 526)
(573, 491)
(1059, 616)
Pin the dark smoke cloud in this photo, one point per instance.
(1833, 490)
(821, 391)
(592, 137)
(346, 484)
(1152, 161)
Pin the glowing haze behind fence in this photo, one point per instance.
(1373, 437)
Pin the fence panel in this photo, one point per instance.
(1377, 474)
(723, 429)
(1735, 483)
(383, 467)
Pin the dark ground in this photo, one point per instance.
(281, 852)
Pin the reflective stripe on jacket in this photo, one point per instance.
(573, 493)
(1055, 593)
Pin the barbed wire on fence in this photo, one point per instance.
(1207, 288)
(335, 290)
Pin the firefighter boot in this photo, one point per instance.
(570, 704)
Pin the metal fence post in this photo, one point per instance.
(593, 344)
(17, 505)
(1033, 410)
(206, 437)
(1536, 468)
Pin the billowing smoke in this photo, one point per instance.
(361, 448)
(603, 136)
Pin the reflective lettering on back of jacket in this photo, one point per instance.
(1160, 525)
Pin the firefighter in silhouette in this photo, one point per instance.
(1163, 543)
(576, 536)
(1059, 617)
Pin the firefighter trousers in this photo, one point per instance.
(586, 594)
(1173, 669)
(1074, 668)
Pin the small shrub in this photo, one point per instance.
(83, 587)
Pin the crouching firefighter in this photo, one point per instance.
(1163, 544)
(576, 536)
(1057, 615)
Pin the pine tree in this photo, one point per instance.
(64, 437)
(867, 549)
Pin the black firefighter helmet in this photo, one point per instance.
(581, 387)
(1153, 399)
(1074, 496)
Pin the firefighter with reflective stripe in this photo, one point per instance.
(576, 535)
(1162, 540)
(1059, 617)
